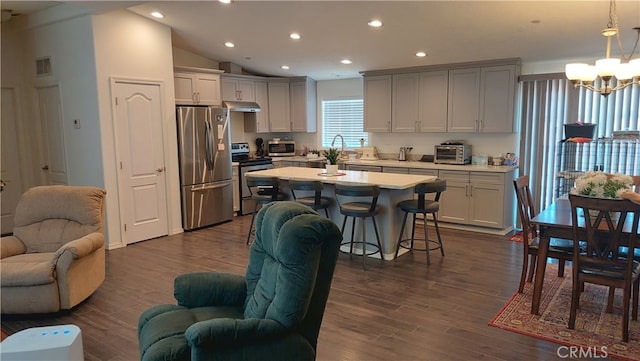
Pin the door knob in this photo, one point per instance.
(46, 167)
(160, 170)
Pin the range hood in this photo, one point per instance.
(247, 107)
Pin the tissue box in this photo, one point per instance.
(480, 160)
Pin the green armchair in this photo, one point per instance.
(273, 312)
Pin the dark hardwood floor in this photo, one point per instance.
(395, 310)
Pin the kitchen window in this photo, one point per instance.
(344, 117)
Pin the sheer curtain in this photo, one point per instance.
(547, 102)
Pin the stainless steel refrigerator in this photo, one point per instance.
(204, 151)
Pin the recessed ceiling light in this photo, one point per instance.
(285, 67)
(421, 54)
(346, 61)
(375, 23)
(294, 36)
(157, 15)
(225, 1)
(535, 21)
(229, 44)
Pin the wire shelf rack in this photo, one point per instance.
(606, 155)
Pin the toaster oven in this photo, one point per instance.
(452, 154)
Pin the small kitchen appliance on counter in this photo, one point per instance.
(452, 152)
(404, 153)
(259, 147)
(369, 153)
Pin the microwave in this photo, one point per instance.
(281, 148)
(452, 154)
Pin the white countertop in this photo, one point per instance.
(410, 164)
(384, 180)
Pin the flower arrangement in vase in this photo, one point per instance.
(602, 185)
(332, 155)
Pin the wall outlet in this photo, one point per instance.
(76, 123)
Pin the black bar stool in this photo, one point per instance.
(315, 201)
(360, 210)
(424, 207)
(263, 190)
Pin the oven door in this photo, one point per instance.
(446, 154)
(247, 205)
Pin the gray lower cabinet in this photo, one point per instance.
(364, 168)
(400, 170)
(477, 198)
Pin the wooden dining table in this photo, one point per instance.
(553, 222)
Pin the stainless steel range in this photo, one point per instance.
(240, 153)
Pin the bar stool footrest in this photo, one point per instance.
(439, 245)
(360, 243)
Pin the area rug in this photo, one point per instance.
(596, 331)
(516, 237)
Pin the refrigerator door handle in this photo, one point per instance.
(214, 186)
(208, 143)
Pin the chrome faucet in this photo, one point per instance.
(333, 142)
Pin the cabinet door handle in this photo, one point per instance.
(480, 125)
(194, 98)
(470, 190)
(198, 97)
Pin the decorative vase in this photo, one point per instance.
(332, 169)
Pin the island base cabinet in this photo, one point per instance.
(388, 219)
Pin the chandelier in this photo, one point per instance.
(625, 70)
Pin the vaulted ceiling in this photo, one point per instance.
(448, 31)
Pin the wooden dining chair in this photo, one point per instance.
(560, 249)
(594, 221)
(636, 183)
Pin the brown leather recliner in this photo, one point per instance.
(55, 258)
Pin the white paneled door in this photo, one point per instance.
(139, 150)
(55, 165)
(10, 172)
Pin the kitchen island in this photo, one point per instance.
(394, 188)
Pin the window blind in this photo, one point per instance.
(547, 103)
(344, 117)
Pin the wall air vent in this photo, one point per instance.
(43, 66)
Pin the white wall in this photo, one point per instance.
(128, 46)
(12, 75)
(69, 43)
(87, 53)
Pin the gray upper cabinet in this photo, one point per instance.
(405, 103)
(234, 89)
(377, 103)
(196, 88)
(482, 99)
(432, 115)
(420, 102)
(279, 108)
(497, 98)
(258, 122)
(303, 105)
